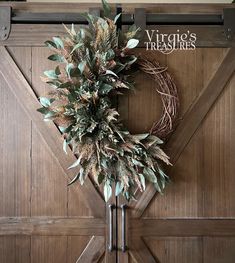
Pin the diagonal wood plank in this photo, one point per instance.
(93, 251)
(16, 82)
(140, 253)
(192, 119)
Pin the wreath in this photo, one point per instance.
(95, 64)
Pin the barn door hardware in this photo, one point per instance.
(124, 246)
(5, 22)
(229, 22)
(127, 18)
(111, 246)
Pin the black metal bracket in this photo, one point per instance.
(226, 20)
(229, 22)
(5, 22)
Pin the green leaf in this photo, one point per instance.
(56, 57)
(158, 188)
(107, 191)
(57, 70)
(74, 179)
(150, 175)
(118, 188)
(81, 66)
(73, 32)
(51, 74)
(100, 178)
(106, 8)
(110, 54)
(138, 163)
(76, 163)
(141, 137)
(81, 178)
(49, 115)
(142, 180)
(45, 101)
(50, 44)
(43, 110)
(117, 17)
(65, 146)
(105, 89)
(110, 72)
(68, 69)
(59, 43)
(76, 47)
(132, 43)
(64, 85)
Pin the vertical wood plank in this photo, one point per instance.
(174, 250)
(48, 249)
(15, 171)
(218, 250)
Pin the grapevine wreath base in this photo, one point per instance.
(94, 64)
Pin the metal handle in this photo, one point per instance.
(124, 247)
(111, 247)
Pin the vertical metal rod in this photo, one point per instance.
(111, 247)
(124, 247)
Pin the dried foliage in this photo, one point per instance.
(169, 96)
(94, 64)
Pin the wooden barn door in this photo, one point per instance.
(42, 220)
(194, 221)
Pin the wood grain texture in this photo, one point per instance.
(182, 227)
(76, 245)
(219, 250)
(140, 253)
(15, 148)
(48, 130)
(48, 249)
(51, 226)
(14, 249)
(174, 250)
(81, 7)
(93, 251)
(192, 119)
(15, 172)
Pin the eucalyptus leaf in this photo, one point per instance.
(77, 46)
(107, 191)
(132, 43)
(56, 57)
(50, 74)
(58, 42)
(45, 101)
(81, 66)
(118, 188)
(65, 146)
(106, 8)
